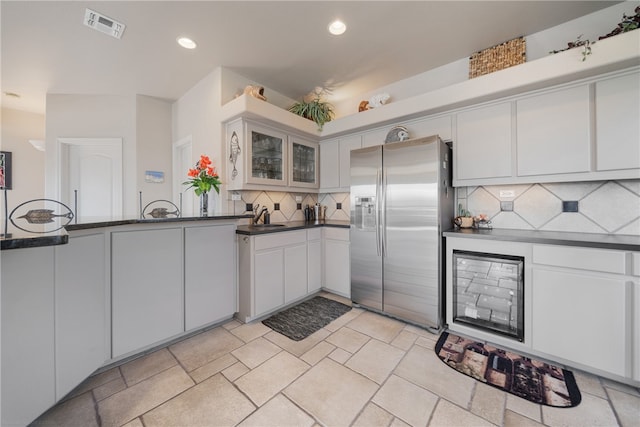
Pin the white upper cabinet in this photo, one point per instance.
(303, 163)
(330, 164)
(346, 146)
(618, 123)
(553, 131)
(482, 147)
(585, 132)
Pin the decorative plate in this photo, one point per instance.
(398, 133)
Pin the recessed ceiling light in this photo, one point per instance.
(186, 43)
(337, 27)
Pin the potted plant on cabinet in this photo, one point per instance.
(312, 107)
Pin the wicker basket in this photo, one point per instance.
(504, 55)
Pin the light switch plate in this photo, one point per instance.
(235, 197)
(298, 199)
(507, 193)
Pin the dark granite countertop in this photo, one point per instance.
(55, 234)
(591, 240)
(288, 226)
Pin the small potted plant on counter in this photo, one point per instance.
(464, 218)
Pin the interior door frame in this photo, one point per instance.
(62, 150)
(178, 172)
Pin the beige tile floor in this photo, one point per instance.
(363, 369)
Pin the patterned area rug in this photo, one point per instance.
(531, 379)
(300, 321)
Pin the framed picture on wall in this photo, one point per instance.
(5, 170)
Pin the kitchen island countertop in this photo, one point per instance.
(591, 240)
(55, 234)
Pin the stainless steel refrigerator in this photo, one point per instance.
(401, 201)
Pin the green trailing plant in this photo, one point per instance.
(578, 42)
(317, 110)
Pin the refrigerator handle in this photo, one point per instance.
(383, 211)
(377, 208)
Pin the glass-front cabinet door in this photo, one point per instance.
(303, 162)
(266, 151)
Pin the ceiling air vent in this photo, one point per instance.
(106, 25)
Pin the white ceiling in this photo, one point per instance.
(283, 45)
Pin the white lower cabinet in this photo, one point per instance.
(209, 275)
(81, 311)
(337, 272)
(28, 370)
(268, 280)
(295, 272)
(147, 293)
(582, 307)
(314, 260)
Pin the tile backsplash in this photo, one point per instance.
(290, 209)
(585, 207)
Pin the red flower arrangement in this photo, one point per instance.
(203, 177)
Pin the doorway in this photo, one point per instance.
(91, 176)
(182, 162)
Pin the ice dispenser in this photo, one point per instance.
(365, 213)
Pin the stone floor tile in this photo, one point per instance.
(489, 403)
(255, 352)
(331, 393)
(235, 371)
(147, 366)
(592, 411)
(78, 411)
(95, 381)
(135, 401)
(407, 401)
(421, 331)
(213, 399)
(422, 367)
(339, 355)
(348, 339)
(627, 407)
(232, 324)
(280, 412)
(297, 348)
(620, 387)
(335, 297)
(376, 326)
(450, 415)
(344, 319)
(251, 331)
(206, 347)
(134, 423)
(513, 419)
(426, 343)
(524, 407)
(404, 340)
(108, 389)
(375, 360)
(268, 379)
(373, 415)
(397, 422)
(317, 353)
(210, 369)
(588, 383)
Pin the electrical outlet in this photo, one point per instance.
(299, 206)
(276, 206)
(249, 207)
(338, 205)
(507, 193)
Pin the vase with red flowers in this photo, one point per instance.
(203, 177)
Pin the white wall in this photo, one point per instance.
(197, 114)
(538, 46)
(18, 127)
(93, 116)
(153, 145)
(233, 84)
